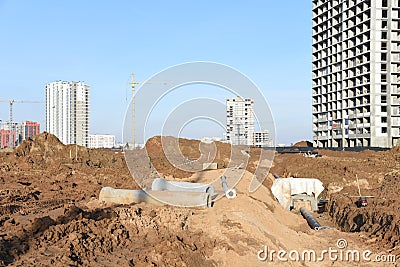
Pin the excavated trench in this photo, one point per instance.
(380, 219)
(379, 176)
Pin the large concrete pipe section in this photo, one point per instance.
(312, 222)
(175, 198)
(229, 193)
(160, 184)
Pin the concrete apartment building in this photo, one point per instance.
(13, 135)
(102, 141)
(9, 134)
(67, 111)
(29, 129)
(262, 139)
(7, 138)
(239, 121)
(356, 73)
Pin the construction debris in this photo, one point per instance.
(210, 166)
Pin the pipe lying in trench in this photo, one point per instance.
(160, 184)
(312, 222)
(160, 198)
(229, 193)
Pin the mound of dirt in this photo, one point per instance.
(303, 144)
(180, 158)
(41, 175)
(42, 144)
(49, 214)
(131, 236)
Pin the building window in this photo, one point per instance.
(384, 119)
(384, 130)
(383, 109)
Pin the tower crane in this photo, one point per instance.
(133, 83)
(11, 126)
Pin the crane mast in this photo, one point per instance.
(133, 83)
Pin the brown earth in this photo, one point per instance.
(378, 174)
(50, 215)
(162, 152)
(303, 144)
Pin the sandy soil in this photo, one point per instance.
(50, 215)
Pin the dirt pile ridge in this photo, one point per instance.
(179, 158)
(303, 144)
(42, 144)
(40, 177)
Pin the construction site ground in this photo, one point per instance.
(50, 213)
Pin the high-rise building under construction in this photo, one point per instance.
(356, 73)
(240, 121)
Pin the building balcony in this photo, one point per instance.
(360, 115)
(352, 116)
(363, 135)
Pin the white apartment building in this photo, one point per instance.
(239, 121)
(102, 141)
(67, 111)
(356, 73)
(261, 139)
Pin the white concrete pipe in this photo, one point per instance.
(175, 198)
(160, 184)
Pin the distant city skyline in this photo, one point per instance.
(12, 134)
(104, 42)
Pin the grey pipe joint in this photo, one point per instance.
(229, 193)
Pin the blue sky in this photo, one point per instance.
(102, 42)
